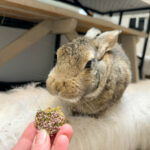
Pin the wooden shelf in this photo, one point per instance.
(33, 10)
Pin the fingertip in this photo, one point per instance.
(62, 143)
(63, 139)
(67, 130)
(41, 141)
(41, 137)
(32, 125)
(67, 127)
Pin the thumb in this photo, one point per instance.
(41, 141)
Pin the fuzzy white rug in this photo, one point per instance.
(18, 107)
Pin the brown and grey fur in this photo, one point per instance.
(90, 91)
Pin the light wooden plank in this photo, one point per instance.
(23, 14)
(35, 34)
(64, 26)
(71, 35)
(13, 13)
(85, 22)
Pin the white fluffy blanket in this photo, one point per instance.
(125, 126)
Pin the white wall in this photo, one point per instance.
(33, 63)
(125, 22)
(113, 19)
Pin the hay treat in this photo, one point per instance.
(50, 120)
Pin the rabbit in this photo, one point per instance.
(90, 74)
(89, 82)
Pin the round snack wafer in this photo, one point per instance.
(50, 120)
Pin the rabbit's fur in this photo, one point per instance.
(90, 91)
(86, 92)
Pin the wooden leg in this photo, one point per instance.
(128, 43)
(64, 26)
(35, 34)
(71, 35)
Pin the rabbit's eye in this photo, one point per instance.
(98, 34)
(88, 65)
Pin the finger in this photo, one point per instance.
(67, 130)
(30, 132)
(61, 143)
(41, 141)
(27, 138)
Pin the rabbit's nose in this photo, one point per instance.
(57, 86)
(54, 86)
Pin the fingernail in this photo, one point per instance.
(41, 137)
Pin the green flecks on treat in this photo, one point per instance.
(50, 119)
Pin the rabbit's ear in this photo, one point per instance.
(92, 33)
(106, 41)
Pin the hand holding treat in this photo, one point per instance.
(32, 139)
(50, 120)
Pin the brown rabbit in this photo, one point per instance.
(91, 73)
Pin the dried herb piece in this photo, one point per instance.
(50, 120)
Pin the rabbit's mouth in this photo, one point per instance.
(69, 100)
(78, 98)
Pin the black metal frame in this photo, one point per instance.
(57, 45)
(106, 12)
(78, 4)
(144, 49)
(16, 23)
(120, 17)
(5, 86)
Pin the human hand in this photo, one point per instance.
(32, 139)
